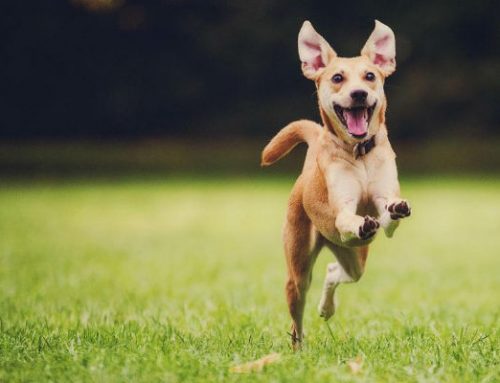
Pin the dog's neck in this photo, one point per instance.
(355, 149)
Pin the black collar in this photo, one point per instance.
(363, 148)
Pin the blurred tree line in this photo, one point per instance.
(124, 68)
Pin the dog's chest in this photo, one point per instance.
(363, 178)
(366, 176)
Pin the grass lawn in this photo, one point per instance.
(178, 280)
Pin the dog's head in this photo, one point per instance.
(350, 90)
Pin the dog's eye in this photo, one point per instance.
(337, 78)
(370, 76)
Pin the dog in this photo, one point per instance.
(349, 186)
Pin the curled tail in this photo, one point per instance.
(289, 137)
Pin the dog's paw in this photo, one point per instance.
(368, 228)
(399, 210)
(327, 306)
(328, 301)
(326, 310)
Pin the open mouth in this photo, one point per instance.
(355, 119)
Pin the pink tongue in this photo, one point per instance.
(356, 122)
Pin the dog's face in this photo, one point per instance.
(350, 90)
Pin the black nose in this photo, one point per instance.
(359, 95)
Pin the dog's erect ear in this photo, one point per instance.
(380, 48)
(314, 52)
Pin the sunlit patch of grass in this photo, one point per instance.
(180, 280)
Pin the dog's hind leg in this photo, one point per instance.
(349, 268)
(302, 245)
(301, 251)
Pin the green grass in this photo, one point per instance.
(179, 280)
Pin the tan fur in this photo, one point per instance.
(336, 190)
(288, 137)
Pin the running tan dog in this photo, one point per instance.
(349, 176)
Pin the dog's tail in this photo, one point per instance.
(289, 137)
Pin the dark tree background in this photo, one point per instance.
(109, 68)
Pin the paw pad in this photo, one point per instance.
(368, 228)
(399, 210)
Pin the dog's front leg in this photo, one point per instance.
(344, 193)
(385, 192)
(391, 210)
(353, 227)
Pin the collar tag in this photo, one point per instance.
(363, 148)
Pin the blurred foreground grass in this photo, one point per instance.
(178, 280)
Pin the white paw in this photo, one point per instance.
(326, 307)
(399, 209)
(365, 231)
(391, 217)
